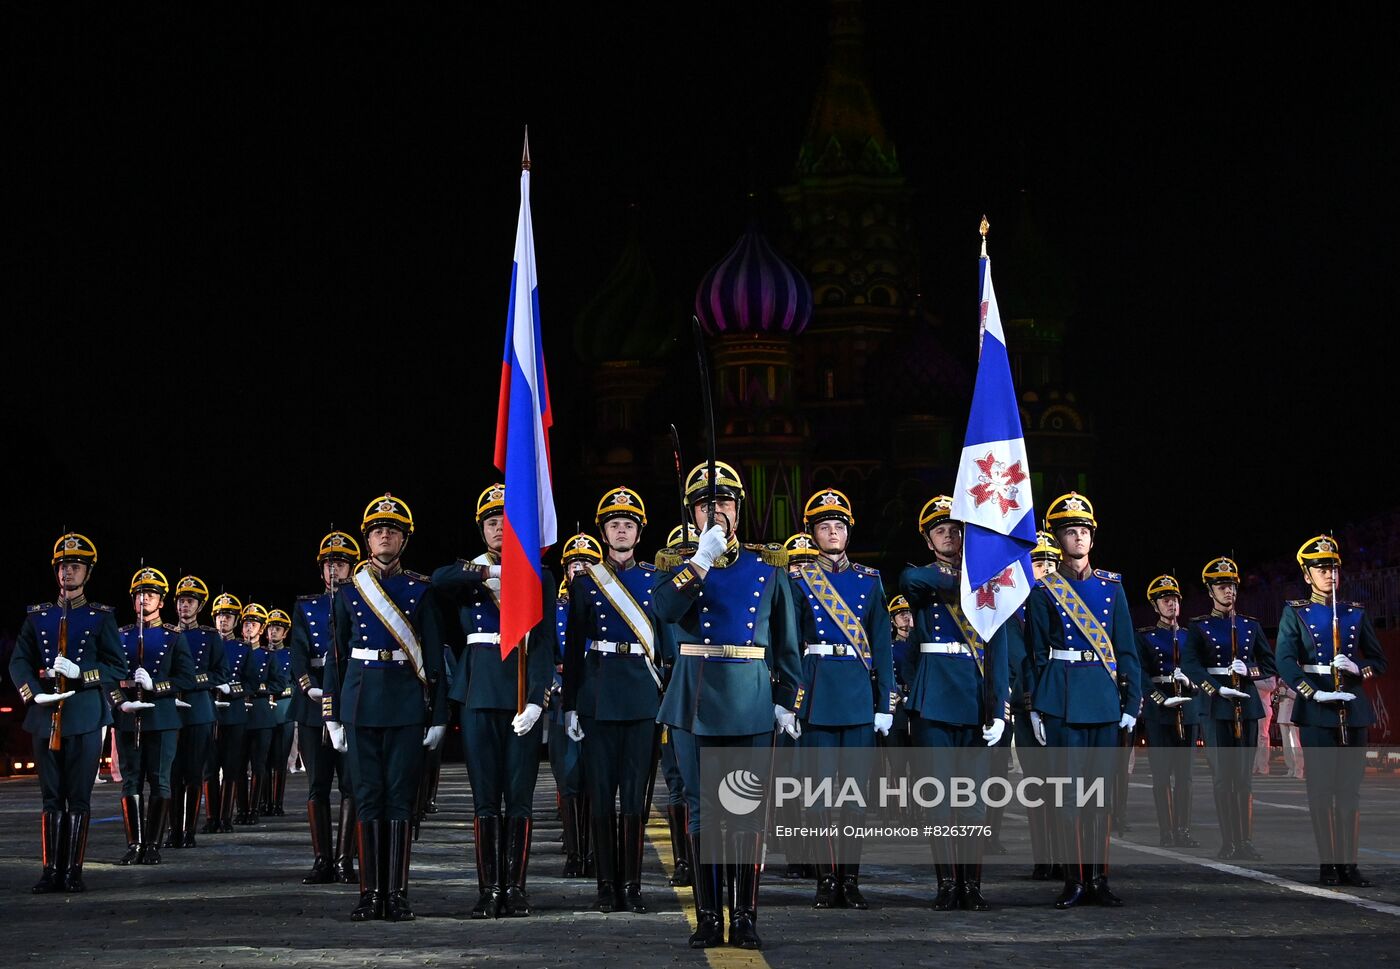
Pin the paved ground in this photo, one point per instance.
(237, 900)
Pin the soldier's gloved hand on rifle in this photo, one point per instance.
(338, 739)
(63, 666)
(525, 720)
(136, 706)
(493, 584)
(883, 723)
(571, 725)
(1239, 668)
(1340, 662)
(225, 689)
(992, 734)
(433, 736)
(1127, 722)
(784, 717)
(493, 571)
(1180, 677)
(44, 699)
(221, 704)
(314, 693)
(181, 704)
(710, 547)
(1321, 696)
(1233, 694)
(1038, 728)
(1175, 701)
(142, 678)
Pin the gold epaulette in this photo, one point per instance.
(774, 555)
(669, 559)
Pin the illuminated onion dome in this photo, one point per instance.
(754, 290)
(628, 318)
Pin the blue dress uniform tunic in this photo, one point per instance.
(283, 725)
(838, 689)
(502, 767)
(381, 701)
(262, 685)
(1304, 658)
(310, 652)
(66, 775)
(164, 653)
(196, 740)
(1171, 732)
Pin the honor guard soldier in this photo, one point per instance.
(1045, 558)
(158, 668)
(67, 654)
(737, 672)
(565, 753)
(614, 656)
(1081, 640)
(262, 684)
(901, 628)
(1225, 654)
(390, 706)
(192, 752)
(224, 777)
(1327, 651)
(958, 697)
(845, 634)
(501, 745)
(801, 549)
(680, 544)
(1170, 717)
(313, 647)
(279, 623)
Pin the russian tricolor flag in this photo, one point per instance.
(993, 493)
(522, 444)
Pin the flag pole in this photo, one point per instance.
(520, 646)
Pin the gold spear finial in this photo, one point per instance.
(525, 155)
(983, 229)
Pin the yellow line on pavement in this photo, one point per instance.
(720, 957)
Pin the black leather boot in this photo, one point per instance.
(946, 874)
(76, 831)
(970, 878)
(1181, 807)
(678, 820)
(1348, 837)
(176, 837)
(605, 855)
(1098, 879)
(346, 841)
(517, 904)
(851, 896)
(212, 798)
(585, 838)
(633, 831)
(50, 842)
(1245, 850)
(228, 793)
(371, 904)
(568, 823)
(279, 791)
(433, 773)
(1072, 838)
(396, 908)
(156, 813)
(743, 916)
(1040, 842)
(190, 811)
(488, 871)
(134, 821)
(709, 883)
(257, 786)
(1325, 834)
(318, 819)
(1225, 811)
(1166, 821)
(828, 883)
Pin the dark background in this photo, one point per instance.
(259, 265)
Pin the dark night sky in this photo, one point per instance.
(259, 267)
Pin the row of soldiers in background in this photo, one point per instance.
(194, 711)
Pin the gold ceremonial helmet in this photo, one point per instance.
(72, 547)
(827, 504)
(800, 548)
(339, 545)
(673, 537)
(390, 511)
(582, 546)
(727, 484)
(255, 612)
(491, 502)
(1321, 551)
(279, 617)
(621, 502)
(1046, 548)
(224, 602)
(148, 579)
(1068, 510)
(194, 587)
(936, 510)
(899, 604)
(1222, 569)
(1163, 586)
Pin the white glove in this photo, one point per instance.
(181, 704)
(433, 736)
(142, 678)
(1181, 677)
(1322, 696)
(782, 716)
(63, 666)
(221, 704)
(1232, 693)
(493, 571)
(992, 734)
(225, 689)
(1238, 667)
(525, 720)
(44, 699)
(1127, 722)
(494, 585)
(1038, 728)
(710, 547)
(571, 725)
(1340, 661)
(883, 723)
(315, 693)
(134, 706)
(1175, 701)
(338, 739)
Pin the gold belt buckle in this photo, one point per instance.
(839, 649)
(386, 656)
(1086, 655)
(624, 648)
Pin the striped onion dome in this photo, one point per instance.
(753, 290)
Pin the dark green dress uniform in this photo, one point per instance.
(501, 766)
(66, 775)
(146, 740)
(1307, 646)
(197, 731)
(612, 679)
(736, 638)
(262, 685)
(225, 777)
(1171, 729)
(1231, 726)
(847, 680)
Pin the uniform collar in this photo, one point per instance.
(188, 625)
(613, 566)
(1163, 624)
(394, 569)
(843, 564)
(76, 602)
(1217, 614)
(1321, 599)
(152, 623)
(1069, 573)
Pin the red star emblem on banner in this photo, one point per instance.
(987, 594)
(997, 482)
